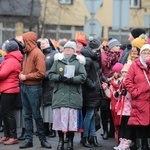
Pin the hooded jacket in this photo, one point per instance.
(9, 72)
(34, 60)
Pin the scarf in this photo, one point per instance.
(112, 58)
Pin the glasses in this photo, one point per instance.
(68, 48)
(123, 71)
(145, 53)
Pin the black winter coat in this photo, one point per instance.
(91, 89)
(47, 84)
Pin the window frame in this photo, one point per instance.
(65, 2)
(135, 6)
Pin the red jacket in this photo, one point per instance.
(139, 89)
(9, 72)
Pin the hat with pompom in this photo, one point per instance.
(11, 46)
(117, 67)
(140, 41)
(94, 44)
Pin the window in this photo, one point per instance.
(135, 3)
(65, 27)
(121, 36)
(65, 2)
(79, 28)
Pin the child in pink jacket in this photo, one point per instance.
(123, 110)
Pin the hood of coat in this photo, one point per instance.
(29, 39)
(87, 52)
(80, 58)
(14, 54)
(141, 64)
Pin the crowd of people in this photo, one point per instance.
(62, 90)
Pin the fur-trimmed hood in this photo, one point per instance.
(80, 58)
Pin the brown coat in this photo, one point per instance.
(34, 60)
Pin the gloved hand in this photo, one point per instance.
(68, 81)
(62, 78)
(124, 92)
(116, 94)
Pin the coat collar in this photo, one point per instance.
(80, 58)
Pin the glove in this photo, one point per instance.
(124, 92)
(68, 81)
(116, 94)
(62, 78)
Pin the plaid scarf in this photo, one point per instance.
(112, 58)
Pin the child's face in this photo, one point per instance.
(116, 75)
(124, 73)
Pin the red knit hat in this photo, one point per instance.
(117, 67)
(82, 41)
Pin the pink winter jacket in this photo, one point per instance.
(139, 89)
(9, 72)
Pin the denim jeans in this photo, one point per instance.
(31, 101)
(89, 123)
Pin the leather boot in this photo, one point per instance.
(52, 133)
(105, 135)
(61, 141)
(1, 128)
(85, 142)
(93, 141)
(66, 139)
(46, 127)
(105, 118)
(145, 144)
(133, 145)
(70, 140)
(22, 136)
(139, 144)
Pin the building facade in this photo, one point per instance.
(59, 19)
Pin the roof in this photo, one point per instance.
(20, 7)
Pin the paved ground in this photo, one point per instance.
(106, 144)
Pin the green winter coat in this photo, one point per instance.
(65, 95)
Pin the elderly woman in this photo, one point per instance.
(138, 84)
(69, 74)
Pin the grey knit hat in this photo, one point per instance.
(112, 43)
(70, 44)
(11, 46)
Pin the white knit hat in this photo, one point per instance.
(144, 47)
(70, 44)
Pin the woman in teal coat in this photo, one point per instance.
(69, 74)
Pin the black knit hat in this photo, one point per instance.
(94, 43)
(137, 32)
(11, 46)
